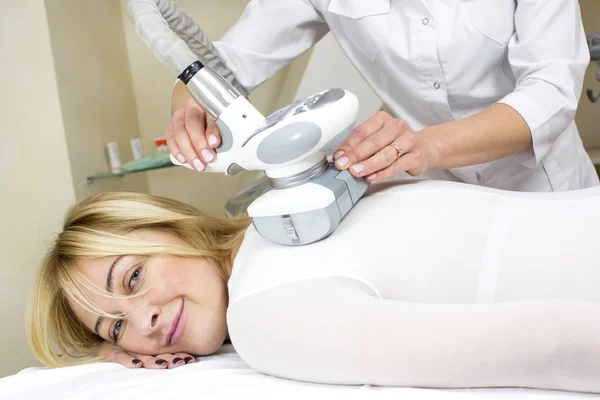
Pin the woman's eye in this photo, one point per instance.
(135, 277)
(117, 330)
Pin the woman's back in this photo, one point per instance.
(444, 242)
(430, 284)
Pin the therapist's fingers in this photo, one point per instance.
(213, 135)
(172, 144)
(360, 133)
(184, 142)
(405, 163)
(405, 144)
(196, 125)
(361, 157)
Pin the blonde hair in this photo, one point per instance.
(96, 227)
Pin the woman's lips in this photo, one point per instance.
(177, 326)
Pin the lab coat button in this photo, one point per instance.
(425, 21)
(436, 85)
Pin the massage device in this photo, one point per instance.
(594, 45)
(308, 197)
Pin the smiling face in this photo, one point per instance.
(181, 308)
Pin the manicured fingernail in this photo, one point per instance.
(212, 140)
(207, 155)
(358, 168)
(160, 361)
(198, 165)
(188, 360)
(135, 361)
(371, 177)
(342, 161)
(181, 158)
(177, 360)
(338, 155)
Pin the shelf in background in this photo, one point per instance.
(91, 179)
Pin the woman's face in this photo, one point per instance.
(182, 310)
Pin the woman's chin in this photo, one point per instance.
(206, 348)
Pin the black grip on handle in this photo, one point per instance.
(190, 71)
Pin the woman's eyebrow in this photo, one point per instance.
(109, 279)
(109, 276)
(98, 323)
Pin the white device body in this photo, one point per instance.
(308, 198)
(298, 199)
(250, 128)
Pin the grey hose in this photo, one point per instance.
(156, 20)
(594, 43)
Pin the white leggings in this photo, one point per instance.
(333, 330)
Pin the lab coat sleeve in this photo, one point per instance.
(268, 35)
(548, 56)
(333, 331)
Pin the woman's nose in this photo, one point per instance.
(147, 319)
(151, 319)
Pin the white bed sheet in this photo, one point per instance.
(222, 376)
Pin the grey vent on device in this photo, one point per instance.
(318, 224)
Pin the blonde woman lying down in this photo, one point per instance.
(430, 284)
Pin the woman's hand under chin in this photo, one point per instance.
(113, 353)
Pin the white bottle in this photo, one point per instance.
(136, 148)
(114, 158)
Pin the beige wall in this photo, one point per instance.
(152, 84)
(35, 176)
(588, 114)
(95, 88)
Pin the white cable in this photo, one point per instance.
(156, 20)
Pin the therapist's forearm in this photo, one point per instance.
(497, 132)
(179, 96)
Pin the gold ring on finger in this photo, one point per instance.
(398, 150)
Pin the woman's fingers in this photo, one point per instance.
(152, 362)
(191, 136)
(126, 359)
(213, 135)
(196, 123)
(342, 155)
(384, 158)
(382, 147)
(172, 143)
(112, 353)
(187, 358)
(183, 141)
(406, 163)
(175, 360)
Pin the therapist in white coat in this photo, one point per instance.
(477, 91)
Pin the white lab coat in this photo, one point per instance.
(437, 61)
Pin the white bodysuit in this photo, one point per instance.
(434, 284)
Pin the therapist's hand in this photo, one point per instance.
(192, 135)
(384, 146)
(113, 353)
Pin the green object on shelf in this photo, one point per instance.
(156, 160)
